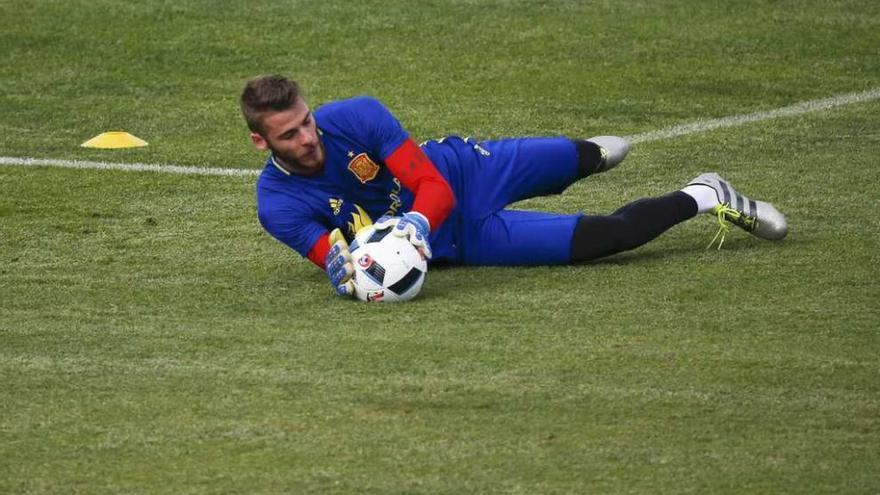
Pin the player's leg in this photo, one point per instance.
(641, 221)
(629, 227)
(536, 238)
(600, 154)
(513, 237)
(511, 170)
(518, 238)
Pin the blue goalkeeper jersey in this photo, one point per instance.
(354, 188)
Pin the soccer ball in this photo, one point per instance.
(387, 268)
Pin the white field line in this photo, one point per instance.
(131, 167)
(738, 120)
(668, 133)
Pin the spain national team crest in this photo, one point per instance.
(363, 168)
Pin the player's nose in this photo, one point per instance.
(309, 138)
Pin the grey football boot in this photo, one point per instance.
(613, 149)
(758, 218)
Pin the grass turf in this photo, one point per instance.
(155, 340)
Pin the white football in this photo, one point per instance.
(387, 268)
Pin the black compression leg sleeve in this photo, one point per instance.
(629, 227)
(589, 157)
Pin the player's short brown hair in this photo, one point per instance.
(273, 93)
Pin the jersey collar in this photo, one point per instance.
(278, 165)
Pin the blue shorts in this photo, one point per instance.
(488, 176)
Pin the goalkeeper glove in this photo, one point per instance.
(412, 225)
(338, 264)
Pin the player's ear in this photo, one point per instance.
(259, 141)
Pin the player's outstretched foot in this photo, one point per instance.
(759, 218)
(613, 149)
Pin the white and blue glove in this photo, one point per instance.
(412, 225)
(338, 264)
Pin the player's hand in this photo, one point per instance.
(412, 225)
(338, 264)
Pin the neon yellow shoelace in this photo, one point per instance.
(727, 214)
(723, 227)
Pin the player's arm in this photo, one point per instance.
(433, 201)
(327, 250)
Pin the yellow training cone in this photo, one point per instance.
(114, 139)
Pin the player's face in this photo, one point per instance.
(292, 135)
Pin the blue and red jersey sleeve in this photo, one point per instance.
(433, 195)
(292, 226)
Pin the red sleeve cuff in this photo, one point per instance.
(319, 251)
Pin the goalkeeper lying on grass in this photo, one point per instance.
(334, 170)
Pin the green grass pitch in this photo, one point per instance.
(154, 340)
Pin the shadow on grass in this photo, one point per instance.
(448, 281)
